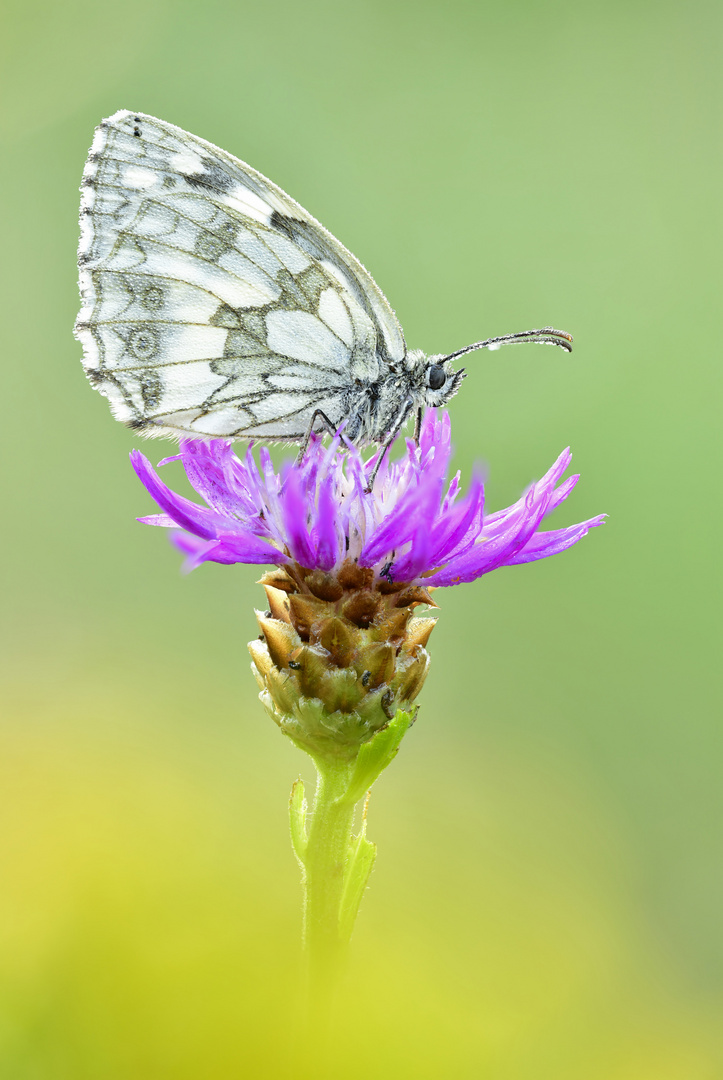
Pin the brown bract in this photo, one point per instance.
(339, 654)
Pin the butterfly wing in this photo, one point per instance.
(213, 304)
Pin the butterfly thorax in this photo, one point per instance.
(374, 408)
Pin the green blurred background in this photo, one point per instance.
(547, 898)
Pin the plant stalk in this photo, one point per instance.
(335, 863)
(325, 865)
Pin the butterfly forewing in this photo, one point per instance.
(213, 304)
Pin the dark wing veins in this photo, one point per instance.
(308, 237)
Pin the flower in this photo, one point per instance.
(341, 652)
(319, 515)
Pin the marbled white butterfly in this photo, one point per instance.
(213, 305)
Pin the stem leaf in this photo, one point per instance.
(361, 860)
(375, 755)
(297, 820)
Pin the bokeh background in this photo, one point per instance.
(547, 898)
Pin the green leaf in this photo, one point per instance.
(297, 820)
(375, 755)
(361, 860)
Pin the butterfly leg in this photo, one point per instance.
(418, 426)
(394, 431)
(326, 423)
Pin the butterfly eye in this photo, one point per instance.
(436, 377)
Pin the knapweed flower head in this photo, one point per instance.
(412, 528)
(341, 651)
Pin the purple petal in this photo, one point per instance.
(233, 548)
(435, 433)
(228, 548)
(452, 492)
(416, 508)
(462, 525)
(205, 465)
(548, 480)
(194, 548)
(294, 510)
(554, 541)
(561, 493)
(187, 514)
(163, 520)
(487, 554)
(327, 547)
(417, 559)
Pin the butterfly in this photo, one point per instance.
(214, 306)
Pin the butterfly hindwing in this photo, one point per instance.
(212, 303)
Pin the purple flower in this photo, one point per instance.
(412, 527)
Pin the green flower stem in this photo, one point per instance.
(325, 866)
(335, 863)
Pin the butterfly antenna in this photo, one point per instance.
(547, 336)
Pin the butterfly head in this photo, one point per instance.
(435, 381)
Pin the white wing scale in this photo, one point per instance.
(213, 304)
